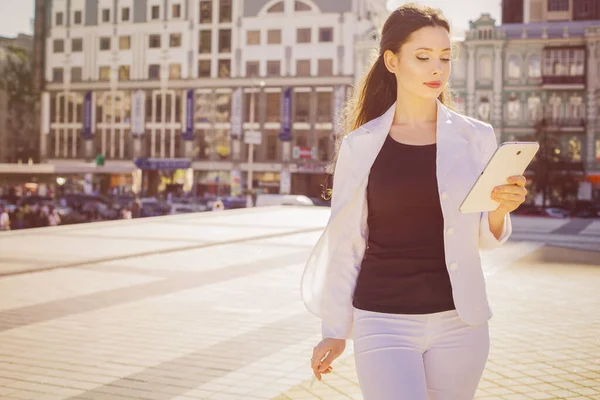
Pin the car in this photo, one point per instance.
(263, 200)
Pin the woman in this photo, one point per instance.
(397, 268)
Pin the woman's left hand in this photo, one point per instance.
(511, 195)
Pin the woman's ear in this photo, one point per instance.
(390, 60)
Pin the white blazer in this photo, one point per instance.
(464, 145)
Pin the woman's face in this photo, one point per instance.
(422, 67)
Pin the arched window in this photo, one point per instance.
(485, 67)
(301, 6)
(514, 66)
(276, 8)
(535, 66)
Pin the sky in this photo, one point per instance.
(16, 15)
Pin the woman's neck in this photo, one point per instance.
(413, 110)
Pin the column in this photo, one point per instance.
(471, 78)
(496, 114)
(45, 126)
(593, 51)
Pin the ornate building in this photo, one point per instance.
(520, 76)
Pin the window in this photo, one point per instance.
(564, 62)
(224, 40)
(124, 73)
(77, 45)
(325, 35)
(77, 18)
(58, 46)
(225, 11)
(535, 70)
(273, 68)
(104, 43)
(302, 101)
(104, 73)
(252, 68)
(302, 67)
(272, 146)
(155, 12)
(57, 75)
(175, 40)
(224, 68)
(106, 15)
(324, 107)
(273, 107)
(558, 5)
(154, 72)
(59, 19)
(276, 8)
(274, 36)
(125, 14)
(176, 11)
(253, 37)
(205, 42)
(514, 67)
(124, 42)
(485, 68)
(174, 71)
(204, 68)
(301, 6)
(154, 41)
(76, 74)
(303, 35)
(325, 67)
(206, 11)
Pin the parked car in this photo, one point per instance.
(263, 200)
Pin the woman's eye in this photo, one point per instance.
(422, 59)
(445, 59)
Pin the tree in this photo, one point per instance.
(16, 80)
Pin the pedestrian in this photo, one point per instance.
(126, 214)
(4, 220)
(136, 207)
(53, 217)
(397, 269)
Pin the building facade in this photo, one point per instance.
(538, 70)
(158, 85)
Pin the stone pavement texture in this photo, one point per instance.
(207, 306)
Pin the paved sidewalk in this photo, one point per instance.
(207, 306)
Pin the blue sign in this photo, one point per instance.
(162, 164)
(188, 132)
(87, 116)
(286, 116)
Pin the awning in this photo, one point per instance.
(155, 164)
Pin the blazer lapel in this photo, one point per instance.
(369, 139)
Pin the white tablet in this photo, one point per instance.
(510, 158)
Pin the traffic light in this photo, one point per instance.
(100, 160)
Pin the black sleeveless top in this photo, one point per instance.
(404, 268)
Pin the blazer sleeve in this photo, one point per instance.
(487, 240)
(337, 318)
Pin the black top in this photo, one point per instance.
(404, 268)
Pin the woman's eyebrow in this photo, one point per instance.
(429, 49)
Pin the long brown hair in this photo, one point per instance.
(377, 90)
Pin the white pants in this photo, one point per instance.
(418, 357)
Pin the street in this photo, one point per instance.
(207, 306)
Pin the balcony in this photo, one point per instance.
(561, 123)
(563, 80)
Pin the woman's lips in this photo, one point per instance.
(434, 85)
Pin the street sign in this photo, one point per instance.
(188, 133)
(306, 153)
(286, 116)
(87, 116)
(253, 137)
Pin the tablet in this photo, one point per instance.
(510, 158)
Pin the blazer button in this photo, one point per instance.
(444, 195)
(450, 231)
(454, 266)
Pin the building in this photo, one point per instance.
(167, 86)
(540, 65)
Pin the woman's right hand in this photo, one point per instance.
(324, 354)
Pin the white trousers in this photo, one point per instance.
(418, 357)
